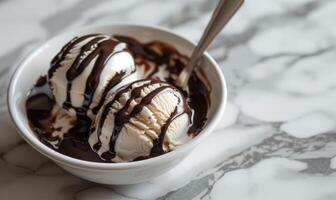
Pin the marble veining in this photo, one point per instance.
(277, 138)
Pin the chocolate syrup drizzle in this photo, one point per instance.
(41, 101)
(122, 117)
(179, 110)
(104, 51)
(167, 55)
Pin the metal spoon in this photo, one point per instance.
(220, 17)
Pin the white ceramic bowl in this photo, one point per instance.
(37, 64)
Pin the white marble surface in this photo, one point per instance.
(277, 138)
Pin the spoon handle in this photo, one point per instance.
(220, 17)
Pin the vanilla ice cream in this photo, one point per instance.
(112, 99)
(87, 68)
(143, 119)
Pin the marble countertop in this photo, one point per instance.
(277, 138)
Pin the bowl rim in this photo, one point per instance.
(28, 134)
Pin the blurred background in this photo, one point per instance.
(262, 29)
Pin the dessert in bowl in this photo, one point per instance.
(101, 102)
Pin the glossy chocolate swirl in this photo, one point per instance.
(157, 61)
(90, 51)
(139, 95)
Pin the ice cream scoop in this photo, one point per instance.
(143, 119)
(87, 68)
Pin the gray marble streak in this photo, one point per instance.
(280, 145)
(252, 148)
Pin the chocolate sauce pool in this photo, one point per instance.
(41, 102)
